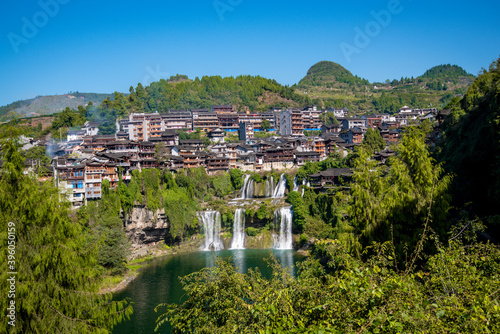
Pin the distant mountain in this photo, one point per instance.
(330, 74)
(329, 84)
(446, 71)
(51, 104)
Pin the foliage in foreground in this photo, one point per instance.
(457, 292)
(57, 280)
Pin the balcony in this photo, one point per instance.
(95, 171)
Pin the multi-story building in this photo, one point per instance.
(70, 180)
(91, 128)
(254, 119)
(142, 127)
(285, 123)
(204, 120)
(319, 146)
(332, 129)
(216, 136)
(168, 137)
(97, 143)
(373, 121)
(229, 122)
(292, 123)
(297, 123)
(272, 117)
(94, 172)
(310, 118)
(215, 163)
(178, 119)
(246, 131)
(223, 109)
(352, 122)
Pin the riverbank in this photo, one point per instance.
(143, 255)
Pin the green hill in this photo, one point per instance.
(330, 74)
(446, 71)
(329, 84)
(245, 92)
(50, 104)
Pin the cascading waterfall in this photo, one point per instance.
(243, 189)
(269, 187)
(211, 226)
(279, 191)
(303, 184)
(283, 240)
(238, 230)
(295, 184)
(250, 189)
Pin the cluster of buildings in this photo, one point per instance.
(152, 141)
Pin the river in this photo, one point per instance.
(158, 282)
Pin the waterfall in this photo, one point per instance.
(269, 187)
(245, 181)
(295, 184)
(211, 227)
(303, 183)
(238, 230)
(279, 191)
(250, 189)
(283, 240)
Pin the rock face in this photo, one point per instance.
(144, 226)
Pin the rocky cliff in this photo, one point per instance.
(144, 226)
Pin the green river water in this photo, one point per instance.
(159, 283)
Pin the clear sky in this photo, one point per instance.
(56, 46)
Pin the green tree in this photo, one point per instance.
(328, 118)
(37, 153)
(57, 277)
(470, 144)
(265, 125)
(400, 202)
(373, 141)
(236, 178)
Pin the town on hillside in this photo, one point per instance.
(274, 140)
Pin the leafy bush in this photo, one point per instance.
(252, 231)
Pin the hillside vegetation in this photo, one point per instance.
(245, 92)
(50, 104)
(328, 84)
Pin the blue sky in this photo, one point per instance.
(107, 46)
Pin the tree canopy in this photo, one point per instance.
(55, 259)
